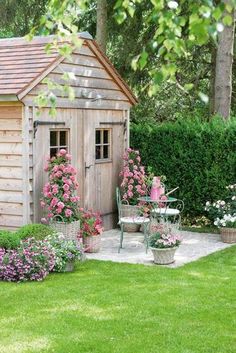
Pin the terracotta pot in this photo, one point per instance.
(92, 243)
(164, 256)
(228, 235)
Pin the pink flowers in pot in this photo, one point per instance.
(133, 177)
(59, 194)
(91, 223)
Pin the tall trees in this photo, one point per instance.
(18, 17)
(101, 34)
(224, 63)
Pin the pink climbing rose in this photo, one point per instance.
(60, 193)
(133, 177)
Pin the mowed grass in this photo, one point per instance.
(106, 307)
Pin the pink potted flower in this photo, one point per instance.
(60, 197)
(91, 230)
(132, 186)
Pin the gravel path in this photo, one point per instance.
(193, 247)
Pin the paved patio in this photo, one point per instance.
(193, 247)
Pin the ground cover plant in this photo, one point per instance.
(108, 307)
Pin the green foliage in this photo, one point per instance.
(9, 240)
(198, 157)
(38, 231)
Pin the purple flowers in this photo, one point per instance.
(32, 261)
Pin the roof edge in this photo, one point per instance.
(113, 72)
(8, 98)
(15, 41)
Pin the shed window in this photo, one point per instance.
(103, 144)
(58, 139)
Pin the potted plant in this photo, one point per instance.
(91, 230)
(223, 214)
(66, 252)
(163, 244)
(59, 195)
(132, 186)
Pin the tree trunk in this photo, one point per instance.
(101, 34)
(223, 74)
(212, 80)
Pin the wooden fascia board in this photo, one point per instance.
(40, 77)
(8, 98)
(112, 71)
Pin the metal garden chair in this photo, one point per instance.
(133, 218)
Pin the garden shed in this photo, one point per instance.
(94, 127)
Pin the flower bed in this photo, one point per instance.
(31, 261)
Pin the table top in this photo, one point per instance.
(148, 199)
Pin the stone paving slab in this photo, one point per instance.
(193, 247)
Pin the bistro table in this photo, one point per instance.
(161, 208)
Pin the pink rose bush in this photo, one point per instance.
(133, 177)
(59, 194)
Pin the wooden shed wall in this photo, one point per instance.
(92, 79)
(11, 168)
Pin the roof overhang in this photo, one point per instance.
(8, 98)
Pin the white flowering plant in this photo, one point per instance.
(64, 250)
(223, 212)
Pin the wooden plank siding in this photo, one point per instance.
(92, 80)
(11, 171)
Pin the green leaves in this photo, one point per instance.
(179, 26)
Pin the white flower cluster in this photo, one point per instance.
(227, 220)
(231, 187)
(217, 204)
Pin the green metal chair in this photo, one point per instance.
(134, 218)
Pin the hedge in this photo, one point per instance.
(199, 157)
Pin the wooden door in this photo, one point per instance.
(63, 131)
(101, 174)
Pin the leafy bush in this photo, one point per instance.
(198, 157)
(37, 231)
(9, 240)
(32, 260)
(64, 250)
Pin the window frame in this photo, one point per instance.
(102, 144)
(58, 146)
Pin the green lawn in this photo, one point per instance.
(108, 307)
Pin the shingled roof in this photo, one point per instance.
(24, 62)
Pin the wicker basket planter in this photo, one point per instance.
(69, 230)
(164, 256)
(92, 243)
(228, 235)
(130, 211)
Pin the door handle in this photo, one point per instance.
(87, 167)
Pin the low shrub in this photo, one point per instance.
(9, 240)
(37, 231)
(199, 157)
(64, 250)
(31, 261)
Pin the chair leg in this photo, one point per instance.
(121, 236)
(145, 226)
